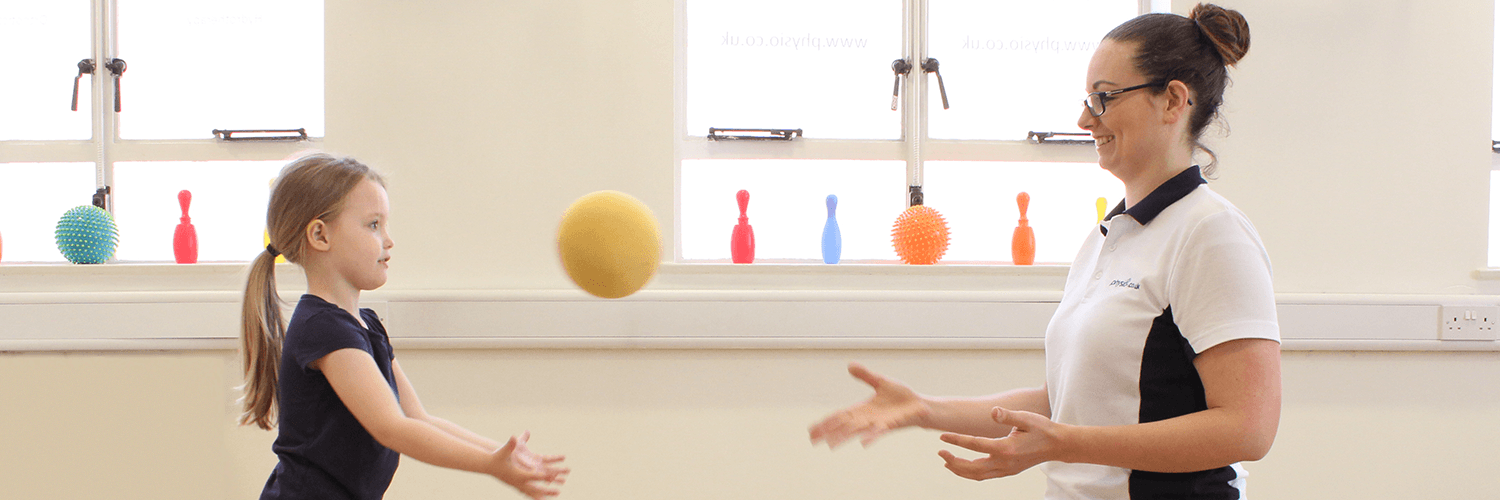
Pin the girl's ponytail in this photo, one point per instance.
(309, 188)
(261, 332)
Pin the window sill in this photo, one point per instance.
(133, 277)
(819, 276)
(21, 278)
(939, 269)
(688, 306)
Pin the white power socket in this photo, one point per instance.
(1469, 322)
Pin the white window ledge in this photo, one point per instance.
(688, 306)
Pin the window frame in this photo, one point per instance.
(105, 148)
(1492, 249)
(914, 147)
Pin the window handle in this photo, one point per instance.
(101, 198)
(900, 67)
(295, 134)
(85, 67)
(116, 68)
(931, 66)
(754, 134)
(1058, 137)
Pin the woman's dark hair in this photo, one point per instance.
(1194, 50)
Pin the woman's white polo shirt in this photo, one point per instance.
(1178, 273)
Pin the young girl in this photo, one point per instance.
(346, 410)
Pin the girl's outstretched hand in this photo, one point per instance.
(893, 406)
(536, 476)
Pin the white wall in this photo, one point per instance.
(1356, 147)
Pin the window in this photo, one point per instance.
(176, 70)
(982, 76)
(1494, 247)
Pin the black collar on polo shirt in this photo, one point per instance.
(1162, 197)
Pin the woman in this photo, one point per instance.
(1163, 358)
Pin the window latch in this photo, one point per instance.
(85, 67)
(930, 65)
(116, 68)
(289, 135)
(1048, 138)
(900, 67)
(753, 134)
(101, 198)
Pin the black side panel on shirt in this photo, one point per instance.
(1170, 387)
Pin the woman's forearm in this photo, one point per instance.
(971, 416)
(1204, 440)
(1242, 384)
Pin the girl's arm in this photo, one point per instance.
(1242, 382)
(359, 384)
(412, 407)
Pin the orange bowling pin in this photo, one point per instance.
(1023, 241)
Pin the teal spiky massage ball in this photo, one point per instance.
(87, 235)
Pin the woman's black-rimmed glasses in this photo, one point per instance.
(1095, 100)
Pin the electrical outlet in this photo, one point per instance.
(1469, 323)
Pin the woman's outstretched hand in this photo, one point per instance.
(893, 406)
(536, 476)
(1033, 439)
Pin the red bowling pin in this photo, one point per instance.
(1023, 241)
(742, 242)
(185, 240)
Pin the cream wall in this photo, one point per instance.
(1358, 126)
(639, 424)
(1358, 129)
(492, 117)
(1358, 142)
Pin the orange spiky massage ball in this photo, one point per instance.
(920, 235)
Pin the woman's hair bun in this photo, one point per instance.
(1225, 28)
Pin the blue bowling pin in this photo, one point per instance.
(833, 243)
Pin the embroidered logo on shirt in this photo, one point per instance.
(1126, 283)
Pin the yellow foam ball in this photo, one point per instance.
(609, 243)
